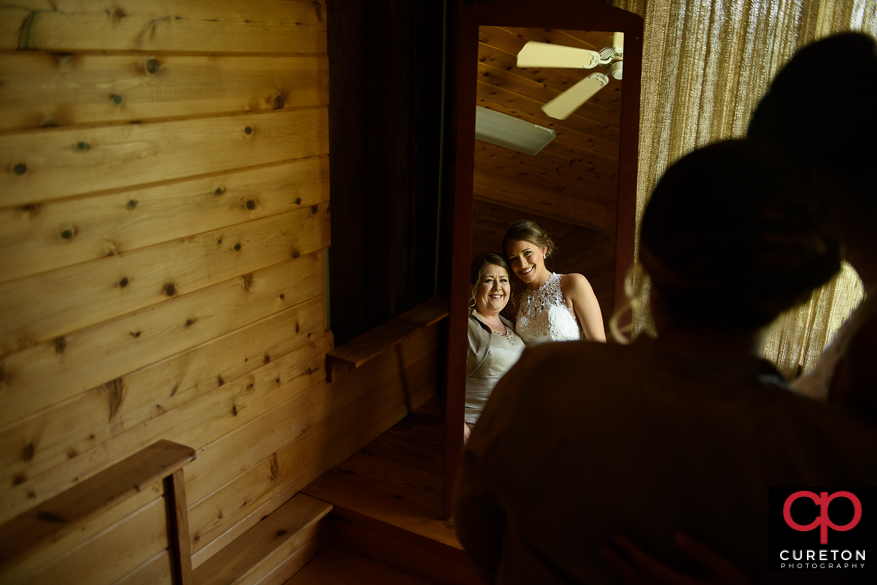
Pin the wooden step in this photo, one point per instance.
(273, 550)
(335, 566)
(388, 500)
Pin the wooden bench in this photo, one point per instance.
(125, 525)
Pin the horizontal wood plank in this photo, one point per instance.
(33, 560)
(44, 374)
(65, 512)
(544, 203)
(359, 407)
(59, 162)
(294, 26)
(54, 304)
(155, 571)
(121, 88)
(78, 425)
(32, 237)
(268, 543)
(112, 554)
(589, 182)
(217, 413)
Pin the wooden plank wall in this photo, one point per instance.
(571, 187)
(164, 210)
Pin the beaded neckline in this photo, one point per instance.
(510, 337)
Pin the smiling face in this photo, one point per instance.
(493, 290)
(528, 262)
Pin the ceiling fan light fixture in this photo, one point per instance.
(510, 132)
(615, 43)
(616, 69)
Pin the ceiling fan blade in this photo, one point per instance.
(569, 101)
(535, 54)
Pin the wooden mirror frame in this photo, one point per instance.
(547, 14)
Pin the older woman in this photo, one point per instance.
(494, 347)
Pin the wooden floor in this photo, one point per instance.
(387, 502)
(336, 565)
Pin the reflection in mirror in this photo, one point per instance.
(581, 187)
(570, 187)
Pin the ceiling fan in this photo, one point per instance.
(535, 54)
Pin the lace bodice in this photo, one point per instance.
(544, 316)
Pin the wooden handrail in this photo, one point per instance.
(66, 512)
(360, 350)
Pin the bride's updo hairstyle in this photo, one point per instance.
(477, 269)
(730, 238)
(528, 231)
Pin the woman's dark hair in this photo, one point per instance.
(730, 238)
(477, 269)
(528, 231)
(835, 133)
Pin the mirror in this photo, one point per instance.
(570, 187)
(581, 187)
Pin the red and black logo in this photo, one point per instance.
(823, 529)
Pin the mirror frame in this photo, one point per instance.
(547, 14)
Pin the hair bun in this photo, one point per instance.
(731, 236)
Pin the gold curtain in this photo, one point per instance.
(705, 67)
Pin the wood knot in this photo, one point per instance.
(296, 253)
(219, 191)
(131, 204)
(190, 322)
(298, 201)
(153, 66)
(279, 102)
(60, 345)
(248, 281)
(281, 532)
(18, 479)
(68, 233)
(117, 99)
(49, 517)
(237, 247)
(169, 289)
(267, 359)
(220, 380)
(84, 146)
(251, 204)
(123, 282)
(28, 452)
(248, 130)
(19, 169)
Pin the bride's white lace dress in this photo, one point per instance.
(544, 316)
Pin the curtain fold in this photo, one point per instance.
(705, 67)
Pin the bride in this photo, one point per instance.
(554, 307)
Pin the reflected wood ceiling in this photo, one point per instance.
(571, 186)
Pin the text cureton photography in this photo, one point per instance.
(822, 528)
